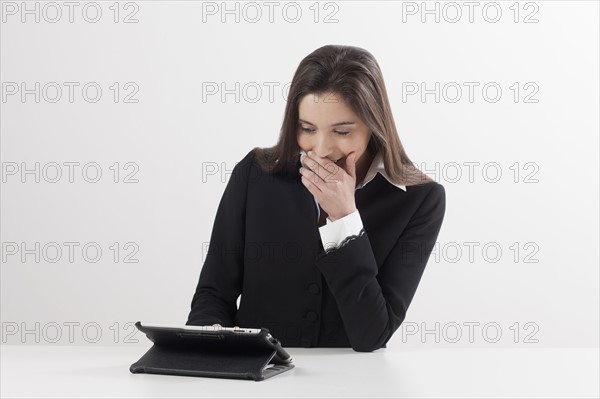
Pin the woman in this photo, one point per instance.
(325, 235)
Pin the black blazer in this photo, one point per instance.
(265, 245)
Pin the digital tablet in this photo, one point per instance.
(246, 339)
(207, 351)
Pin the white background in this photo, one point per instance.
(549, 210)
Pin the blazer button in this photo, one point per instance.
(312, 316)
(313, 289)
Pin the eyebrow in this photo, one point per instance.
(335, 124)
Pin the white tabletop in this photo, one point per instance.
(103, 371)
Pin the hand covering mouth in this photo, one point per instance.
(337, 162)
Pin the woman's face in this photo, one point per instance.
(329, 128)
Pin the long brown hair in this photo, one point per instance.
(354, 74)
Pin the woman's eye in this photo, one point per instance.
(308, 130)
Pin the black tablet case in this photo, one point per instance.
(210, 355)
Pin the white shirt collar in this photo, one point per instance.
(377, 166)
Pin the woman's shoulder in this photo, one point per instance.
(432, 196)
(251, 168)
(243, 165)
(248, 158)
(427, 189)
(435, 189)
(427, 195)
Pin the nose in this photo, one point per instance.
(323, 147)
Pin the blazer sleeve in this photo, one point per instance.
(220, 279)
(373, 300)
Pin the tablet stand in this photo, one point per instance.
(206, 362)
